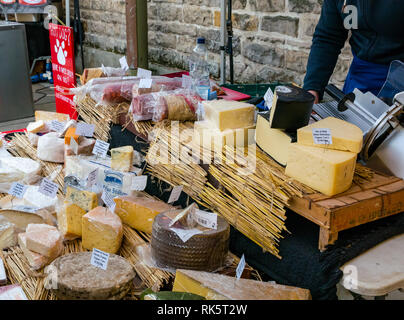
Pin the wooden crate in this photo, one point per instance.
(381, 197)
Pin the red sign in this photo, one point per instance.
(32, 2)
(62, 48)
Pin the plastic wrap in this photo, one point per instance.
(113, 72)
(205, 250)
(51, 148)
(158, 84)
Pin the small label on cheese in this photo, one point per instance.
(92, 178)
(175, 194)
(99, 259)
(240, 267)
(56, 126)
(139, 183)
(100, 148)
(48, 188)
(186, 234)
(17, 190)
(206, 219)
(108, 200)
(144, 73)
(85, 129)
(322, 136)
(145, 83)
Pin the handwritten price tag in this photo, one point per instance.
(322, 136)
(48, 188)
(85, 129)
(175, 194)
(100, 148)
(57, 126)
(144, 73)
(99, 259)
(240, 267)
(92, 178)
(17, 190)
(145, 83)
(108, 200)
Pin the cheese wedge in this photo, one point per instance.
(71, 133)
(328, 171)
(214, 286)
(8, 236)
(345, 136)
(35, 260)
(86, 200)
(122, 158)
(139, 212)
(70, 220)
(37, 126)
(229, 114)
(102, 229)
(44, 239)
(49, 116)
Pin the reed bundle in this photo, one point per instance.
(21, 147)
(362, 174)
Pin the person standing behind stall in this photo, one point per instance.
(377, 39)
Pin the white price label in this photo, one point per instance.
(57, 126)
(100, 148)
(145, 83)
(269, 97)
(186, 81)
(175, 194)
(240, 267)
(186, 234)
(206, 219)
(48, 188)
(108, 200)
(139, 183)
(124, 63)
(99, 259)
(322, 136)
(144, 73)
(85, 129)
(17, 190)
(92, 178)
(74, 146)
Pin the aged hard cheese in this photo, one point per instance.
(122, 158)
(44, 239)
(328, 171)
(215, 286)
(274, 142)
(49, 116)
(139, 212)
(8, 236)
(102, 229)
(35, 260)
(78, 279)
(345, 136)
(229, 114)
(212, 138)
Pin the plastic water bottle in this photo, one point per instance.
(199, 69)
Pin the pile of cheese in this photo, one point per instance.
(328, 168)
(225, 123)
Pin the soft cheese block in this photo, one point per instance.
(18, 169)
(44, 239)
(213, 286)
(122, 158)
(102, 229)
(51, 148)
(49, 116)
(274, 142)
(325, 170)
(345, 136)
(35, 260)
(139, 212)
(229, 114)
(37, 126)
(212, 138)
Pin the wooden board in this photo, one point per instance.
(381, 197)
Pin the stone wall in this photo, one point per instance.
(272, 38)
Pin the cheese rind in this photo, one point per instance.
(102, 229)
(345, 136)
(207, 135)
(8, 236)
(35, 260)
(213, 286)
(44, 239)
(229, 114)
(139, 212)
(49, 116)
(122, 158)
(328, 171)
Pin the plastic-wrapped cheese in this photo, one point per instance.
(325, 170)
(51, 148)
(12, 169)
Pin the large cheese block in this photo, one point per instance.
(44, 239)
(35, 260)
(21, 217)
(229, 114)
(75, 278)
(214, 286)
(122, 158)
(49, 116)
(8, 237)
(275, 142)
(345, 136)
(211, 138)
(51, 148)
(139, 211)
(328, 171)
(102, 229)
(206, 250)
(291, 108)
(37, 126)
(70, 220)
(14, 169)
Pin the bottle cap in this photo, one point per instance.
(200, 40)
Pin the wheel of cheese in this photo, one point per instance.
(204, 252)
(77, 279)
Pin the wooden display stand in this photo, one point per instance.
(381, 197)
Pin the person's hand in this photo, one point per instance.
(316, 95)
